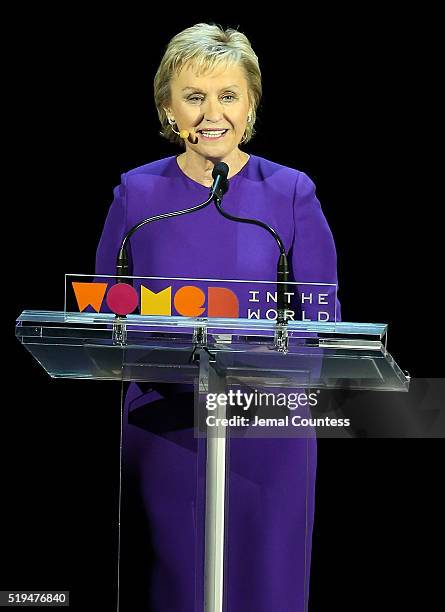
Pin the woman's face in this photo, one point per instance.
(217, 101)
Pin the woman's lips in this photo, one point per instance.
(204, 137)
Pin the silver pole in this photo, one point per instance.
(215, 492)
(215, 516)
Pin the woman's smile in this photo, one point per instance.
(212, 134)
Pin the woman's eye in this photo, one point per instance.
(199, 99)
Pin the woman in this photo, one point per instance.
(209, 84)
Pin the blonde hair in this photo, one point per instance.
(207, 46)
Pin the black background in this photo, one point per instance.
(352, 100)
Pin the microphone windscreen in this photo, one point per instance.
(222, 169)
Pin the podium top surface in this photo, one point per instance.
(177, 322)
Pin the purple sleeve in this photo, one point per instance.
(114, 230)
(314, 258)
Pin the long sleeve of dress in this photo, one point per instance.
(114, 230)
(313, 254)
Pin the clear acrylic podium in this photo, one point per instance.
(211, 355)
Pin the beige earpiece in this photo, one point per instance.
(189, 135)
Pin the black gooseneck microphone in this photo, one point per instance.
(219, 188)
(222, 169)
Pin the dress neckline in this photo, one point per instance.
(182, 173)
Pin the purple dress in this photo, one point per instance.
(272, 481)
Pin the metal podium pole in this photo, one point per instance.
(215, 490)
(215, 518)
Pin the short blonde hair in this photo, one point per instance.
(207, 46)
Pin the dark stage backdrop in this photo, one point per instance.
(349, 99)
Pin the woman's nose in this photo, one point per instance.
(212, 110)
